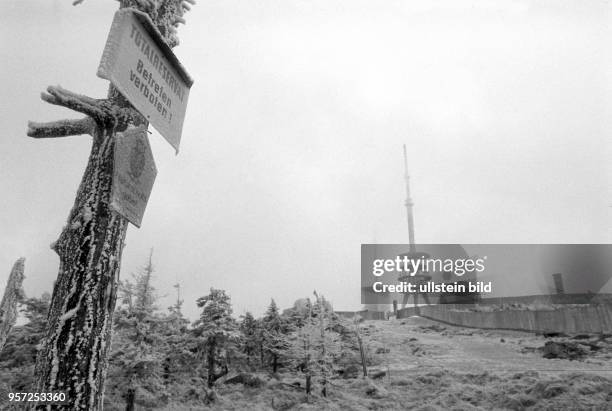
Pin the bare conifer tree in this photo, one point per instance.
(73, 356)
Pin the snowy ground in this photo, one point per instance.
(432, 366)
(472, 350)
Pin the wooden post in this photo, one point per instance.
(13, 293)
(73, 355)
(321, 315)
(308, 344)
(361, 351)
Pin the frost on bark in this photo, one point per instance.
(73, 354)
(13, 293)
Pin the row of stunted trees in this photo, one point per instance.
(310, 339)
(154, 350)
(151, 345)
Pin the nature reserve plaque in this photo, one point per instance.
(133, 175)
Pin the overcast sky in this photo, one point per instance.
(291, 149)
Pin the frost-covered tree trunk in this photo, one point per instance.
(210, 362)
(308, 366)
(13, 293)
(323, 354)
(73, 355)
(130, 399)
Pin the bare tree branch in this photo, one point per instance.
(61, 128)
(104, 112)
(61, 97)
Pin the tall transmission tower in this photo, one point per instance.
(409, 204)
(179, 302)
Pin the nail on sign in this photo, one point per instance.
(134, 173)
(140, 64)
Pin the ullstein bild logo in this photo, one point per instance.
(486, 273)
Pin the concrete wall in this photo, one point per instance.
(600, 298)
(570, 319)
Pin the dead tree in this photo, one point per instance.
(73, 355)
(13, 293)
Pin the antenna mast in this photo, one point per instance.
(178, 295)
(409, 205)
